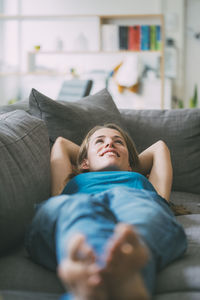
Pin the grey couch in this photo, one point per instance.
(27, 132)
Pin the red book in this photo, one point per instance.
(134, 38)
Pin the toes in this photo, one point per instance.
(73, 272)
(123, 241)
(86, 254)
(94, 280)
(127, 233)
(126, 248)
(79, 250)
(79, 271)
(74, 245)
(131, 243)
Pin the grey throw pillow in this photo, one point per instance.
(24, 173)
(73, 120)
(22, 105)
(180, 129)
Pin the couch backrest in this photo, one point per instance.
(24, 173)
(180, 129)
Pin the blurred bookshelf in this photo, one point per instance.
(100, 23)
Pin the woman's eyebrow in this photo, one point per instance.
(118, 136)
(102, 136)
(92, 139)
(99, 136)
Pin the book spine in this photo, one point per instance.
(158, 37)
(134, 38)
(123, 37)
(153, 37)
(110, 37)
(130, 38)
(145, 37)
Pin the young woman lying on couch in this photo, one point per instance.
(107, 229)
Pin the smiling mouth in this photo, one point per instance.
(111, 152)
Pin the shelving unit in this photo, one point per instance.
(132, 20)
(99, 21)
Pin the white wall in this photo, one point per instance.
(10, 6)
(1, 32)
(192, 49)
(90, 6)
(174, 12)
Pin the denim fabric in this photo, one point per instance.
(96, 215)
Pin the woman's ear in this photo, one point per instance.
(85, 164)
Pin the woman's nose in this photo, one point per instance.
(109, 143)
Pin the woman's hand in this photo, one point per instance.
(63, 158)
(156, 162)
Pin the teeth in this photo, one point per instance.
(112, 152)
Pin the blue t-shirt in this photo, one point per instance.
(97, 182)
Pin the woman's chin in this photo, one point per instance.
(110, 168)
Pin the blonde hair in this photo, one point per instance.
(133, 155)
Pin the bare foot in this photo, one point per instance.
(125, 258)
(80, 272)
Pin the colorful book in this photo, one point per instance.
(153, 37)
(123, 37)
(145, 37)
(158, 37)
(134, 38)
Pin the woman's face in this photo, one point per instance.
(107, 148)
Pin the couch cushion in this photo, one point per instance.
(19, 272)
(21, 295)
(180, 129)
(24, 173)
(179, 296)
(184, 273)
(188, 200)
(73, 120)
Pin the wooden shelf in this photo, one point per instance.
(44, 17)
(89, 52)
(68, 16)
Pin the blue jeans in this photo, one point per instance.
(96, 215)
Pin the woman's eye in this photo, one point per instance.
(119, 142)
(99, 141)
